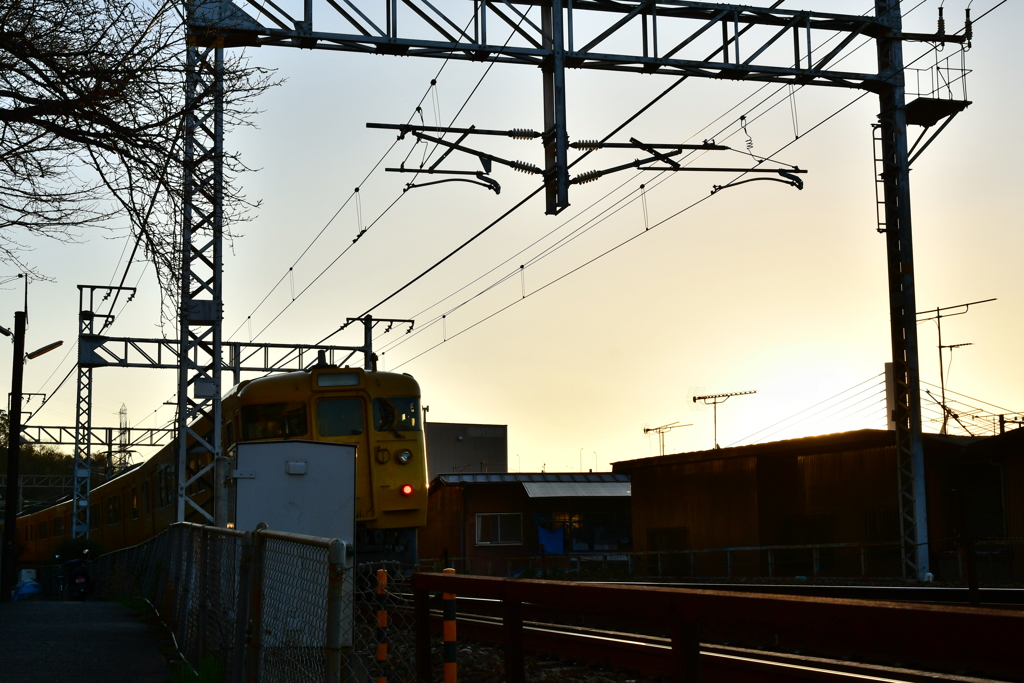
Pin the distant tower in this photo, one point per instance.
(123, 454)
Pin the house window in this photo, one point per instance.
(499, 528)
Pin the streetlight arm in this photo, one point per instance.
(45, 349)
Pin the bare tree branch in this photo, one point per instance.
(92, 104)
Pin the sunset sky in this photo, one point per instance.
(632, 299)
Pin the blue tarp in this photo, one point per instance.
(551, 540)
(23, 590)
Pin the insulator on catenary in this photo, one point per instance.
(524, 167)
(523, 134)
(587, 177)
(586, 144)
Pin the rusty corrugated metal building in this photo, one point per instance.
(832, 490)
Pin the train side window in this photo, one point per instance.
(229, 435)
(273, 421)
(339, 417)
(58, 526)
(114, 510)
(135, 502)
(147, 504)
(42, 530)
(165, 484)
(94, 516)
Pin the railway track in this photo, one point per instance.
(1003, 597)
(728, 635)
(651, 655)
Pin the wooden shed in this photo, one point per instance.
(499, 524)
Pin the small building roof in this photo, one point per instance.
(578, 489)
(548, 484)
(501, 477)
(825, 443)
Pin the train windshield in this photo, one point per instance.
(273, 421)
(396, 414)
(339, 417)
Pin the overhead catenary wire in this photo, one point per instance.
(362, 231)
(658, 178)
(531, 195)
(591, 260)
(856, 99)
(819, 403)
(986, 12)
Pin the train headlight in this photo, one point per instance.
(407, 489)
(405, 456)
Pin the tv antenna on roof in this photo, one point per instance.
(714, 400)
(660, 431)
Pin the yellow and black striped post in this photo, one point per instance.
(382, 626)
(451, 671)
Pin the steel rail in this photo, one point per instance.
(940, 637)
(652, 655)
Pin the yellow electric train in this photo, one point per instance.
(379, 412)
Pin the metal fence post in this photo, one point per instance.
(421, 605)
(254, 626)
(237, 674)
(515, 669)
(686, 654)
(335, 612)
(203, 588)
(381, 634)
(451, 667)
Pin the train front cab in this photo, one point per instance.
(379, 412)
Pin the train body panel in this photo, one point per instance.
(379, 412)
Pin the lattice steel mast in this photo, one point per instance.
(201, 311)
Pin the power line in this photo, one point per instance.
(363, 231)
(623, 243)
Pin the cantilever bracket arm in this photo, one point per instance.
(484, 157)
(482, 181)
(915, 152)
(787, 178)
(639, 164)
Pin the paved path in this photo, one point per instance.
(77, 642)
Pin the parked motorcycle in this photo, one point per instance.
(78, 584)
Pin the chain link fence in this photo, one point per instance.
(270, 606)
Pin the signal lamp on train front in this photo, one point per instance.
(405, 456)
(407, 490)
